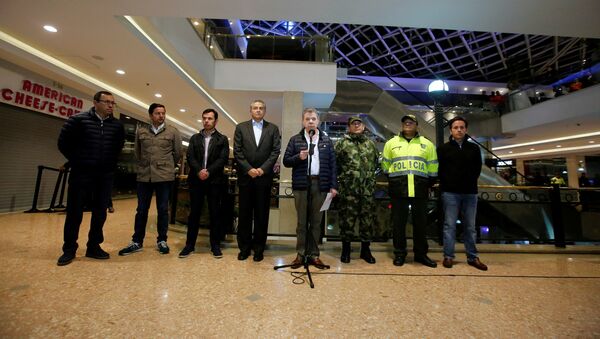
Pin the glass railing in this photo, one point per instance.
(505, 214)
(263, 47)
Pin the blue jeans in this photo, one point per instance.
(144, 194)
(466, 204)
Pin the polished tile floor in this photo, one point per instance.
(151, 295)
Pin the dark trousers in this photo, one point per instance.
(255, 200)
(310, 228)
(214, 194)
(81, 184)
(144, 195)
(419, 218)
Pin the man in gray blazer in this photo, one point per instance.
(256, 146)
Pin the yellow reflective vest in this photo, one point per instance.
(410, 166)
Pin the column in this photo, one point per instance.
(291, 123)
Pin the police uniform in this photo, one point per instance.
(357, 162)
(411, 166)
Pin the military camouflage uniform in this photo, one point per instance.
(356, 157)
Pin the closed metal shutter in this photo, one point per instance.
(27, 139)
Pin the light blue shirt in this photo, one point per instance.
(157, 129)
(257, 126)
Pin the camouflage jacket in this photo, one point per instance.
(357, 160)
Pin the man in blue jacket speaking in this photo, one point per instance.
(320, 179)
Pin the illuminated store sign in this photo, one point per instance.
(32, 94)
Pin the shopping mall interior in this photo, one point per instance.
(525, 75)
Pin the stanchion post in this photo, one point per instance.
(36, 194)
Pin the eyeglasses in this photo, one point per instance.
(108, 103)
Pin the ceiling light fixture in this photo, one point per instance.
(120, 71)
(50, 29)
(466, 89)
(558, 146)
(158, 95)
(591, 142)
(196, 23)
(182, 110)
(569, 137)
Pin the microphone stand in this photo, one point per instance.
(306, 263)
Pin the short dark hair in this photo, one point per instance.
(455, 119)
(153, 107)
(208, 110)
(99, 94)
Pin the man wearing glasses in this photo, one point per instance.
(410, 161)
(157, 151)
(91, 141)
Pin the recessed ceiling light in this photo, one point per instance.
(558, 146)
(532, 149)
(120, 71)
(50, 29)
(196, 23)
(158, 95)
(363, 72)
(476, 64)
(182, 110)
(470, 104)
(247, 37)
(293, 37)
(510, 152)
(231, 22)
(591, 141)
(391, 85)
(211, 46)
(466, 88)
(126, 117)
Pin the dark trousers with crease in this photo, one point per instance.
(255, 201)
(82, 184)
(419, 218)
(213, 193)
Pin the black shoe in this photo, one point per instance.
(216, 252)
(258, 257)
(96, 253)
(365, 252)
(131, 248)
(186, 251)
(346, 249)
(448, 262)
(399, 260)
(243, 255)
(65, 259)
(162, 247)
(425, 260)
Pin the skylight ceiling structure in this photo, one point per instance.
(425, 53)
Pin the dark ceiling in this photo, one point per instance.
(445, 54)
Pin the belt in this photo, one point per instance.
(313, 177)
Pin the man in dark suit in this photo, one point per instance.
(207, 155)
(256, 147)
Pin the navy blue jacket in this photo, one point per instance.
(327, 165)
(90, 143)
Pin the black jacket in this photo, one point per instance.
(459, 168)
(327, 164)
(218, 153)
(91, 144)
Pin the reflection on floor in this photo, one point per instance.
(151, 295)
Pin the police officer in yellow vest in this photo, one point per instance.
(410, 162)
